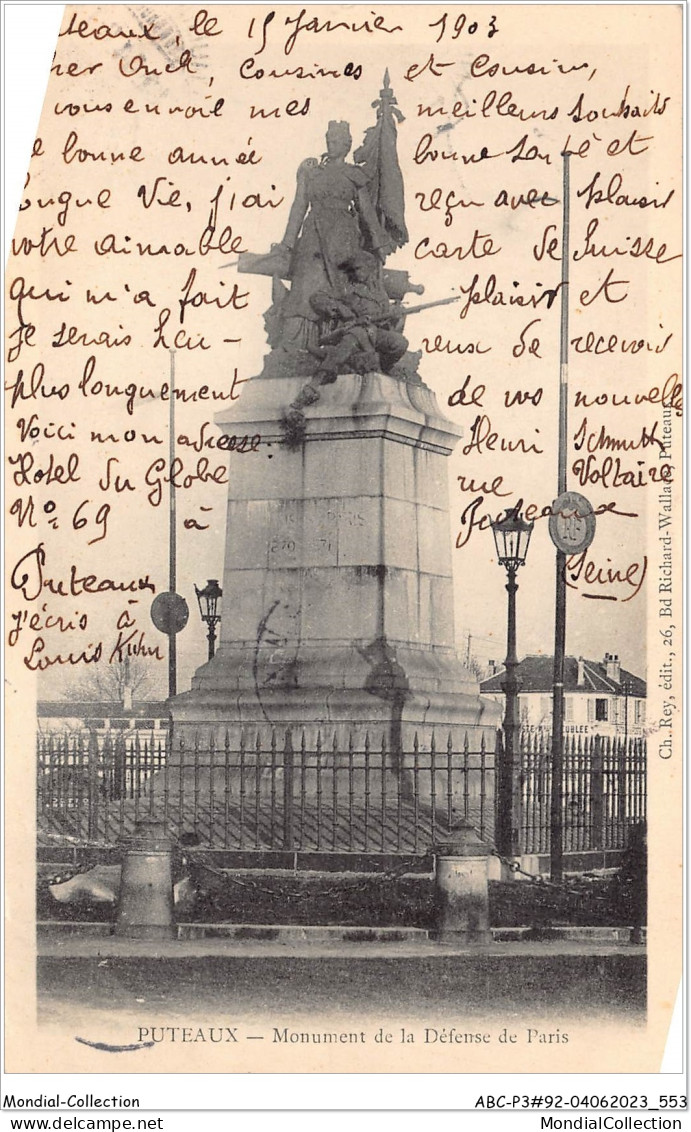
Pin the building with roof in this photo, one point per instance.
(600, 697)
(148, 718)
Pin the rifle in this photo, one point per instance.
(338, 333)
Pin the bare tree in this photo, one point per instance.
(476, 666)
(113, 683)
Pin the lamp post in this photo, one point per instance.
(209, 599)
(512, 538)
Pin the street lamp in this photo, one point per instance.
(512, 538)
(209, 599)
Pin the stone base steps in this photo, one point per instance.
(287, 933)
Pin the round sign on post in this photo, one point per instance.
(572, 523)
(169, 612)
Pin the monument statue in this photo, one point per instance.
(331, 220)
(338, 593)
(342, 308)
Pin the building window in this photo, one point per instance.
(568, 709)
(601, 711)
(639, 711)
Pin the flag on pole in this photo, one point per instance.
(378, 158)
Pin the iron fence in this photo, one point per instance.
(277, 792)
(603, 791)
(282, 792)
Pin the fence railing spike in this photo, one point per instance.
(97, 784)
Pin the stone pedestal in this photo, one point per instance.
(462, 875)
(338, 610)
(145, 903)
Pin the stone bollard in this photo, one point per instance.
(145, 904)
(462, 892)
